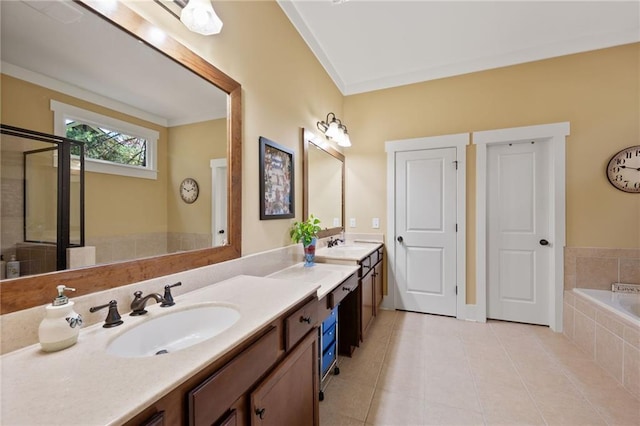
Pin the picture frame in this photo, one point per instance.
(277, 189)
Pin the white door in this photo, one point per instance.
(425, 246)
(518, 253)
(219, 202)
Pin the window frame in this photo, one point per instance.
(63, 112)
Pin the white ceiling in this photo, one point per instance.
(87, 56)
(367, 45)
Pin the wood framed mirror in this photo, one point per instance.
(323, 183)
(29, 291)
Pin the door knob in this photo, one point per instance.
(544, 242)
(400, 239)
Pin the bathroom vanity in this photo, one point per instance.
(243, 375)
(359, 309)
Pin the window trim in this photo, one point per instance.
(63, 112)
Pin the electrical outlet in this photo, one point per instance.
(336, 222)
(375, 223)
(352, 222)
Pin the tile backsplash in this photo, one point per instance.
(598, 268)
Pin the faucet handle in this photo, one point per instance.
(113, 317)
(168, 298)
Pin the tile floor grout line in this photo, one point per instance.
(473, 379)
(513, 364)
(568, 376)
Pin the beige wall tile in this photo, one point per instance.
(610, 322)
(585, 307)
(584, 333)
(596, 272)
(609, 351)
(569, 297)
(569, 268)
(630, 271)
(631, 370)
(567, 321)
(631, 336)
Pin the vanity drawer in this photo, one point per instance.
(300, 323)
(330, 320)
(342, 291)
(209, 400)
(328, 356)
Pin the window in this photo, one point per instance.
(111, 146)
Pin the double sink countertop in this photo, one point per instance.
(84, 385)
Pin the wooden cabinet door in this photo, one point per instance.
(289, 395)
(377, 287)
(367, 302)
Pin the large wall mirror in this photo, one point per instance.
(323, 182)
(95, 61)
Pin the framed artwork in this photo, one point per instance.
(277, 188)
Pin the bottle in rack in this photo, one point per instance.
(13, 267)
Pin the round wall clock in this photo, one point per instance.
(189, 190)
(623, 170)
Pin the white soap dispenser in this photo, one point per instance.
(60, 328)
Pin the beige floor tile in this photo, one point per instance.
(438, 370)
(328, 417)
(347, 398)
(440, 414)
(455, 390)
(403, 379)
(516, 413)
(388, 408)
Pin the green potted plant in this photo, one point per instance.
(306, 232)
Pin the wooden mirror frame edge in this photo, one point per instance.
(26, 292)
(328, 232)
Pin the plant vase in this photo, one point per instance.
(310, 253)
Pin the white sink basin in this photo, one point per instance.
(173, 331)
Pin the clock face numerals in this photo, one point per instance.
(189, 190)
(623, 170)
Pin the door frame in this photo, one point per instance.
(555, 135)
(218, 202)
(459, 142)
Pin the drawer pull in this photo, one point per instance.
(346, 289)
(304, 319)
(260, 412)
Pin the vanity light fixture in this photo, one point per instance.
(334, 130)
(199, 17)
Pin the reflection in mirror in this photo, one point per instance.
(323, 181)
(68, 72)
(29, 291)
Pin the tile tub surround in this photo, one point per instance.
(612, 341)
(20, 329)
(598, 268)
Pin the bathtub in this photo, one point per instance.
(626, 305)
(606, 326)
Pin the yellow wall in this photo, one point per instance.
(188, 156)
(284, 88)
(597, 92)
(114, 205)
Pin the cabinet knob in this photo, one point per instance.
(305, 319)
(260, 412)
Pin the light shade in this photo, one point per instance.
(334, 130)
(199, 17)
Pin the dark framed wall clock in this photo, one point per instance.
(189, 190)
(623, 170)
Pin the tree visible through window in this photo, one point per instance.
(108, 145)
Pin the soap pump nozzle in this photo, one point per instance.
(62, 299)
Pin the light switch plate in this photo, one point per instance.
(352, 222)
(375, 223)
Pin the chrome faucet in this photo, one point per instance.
(139, 302)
